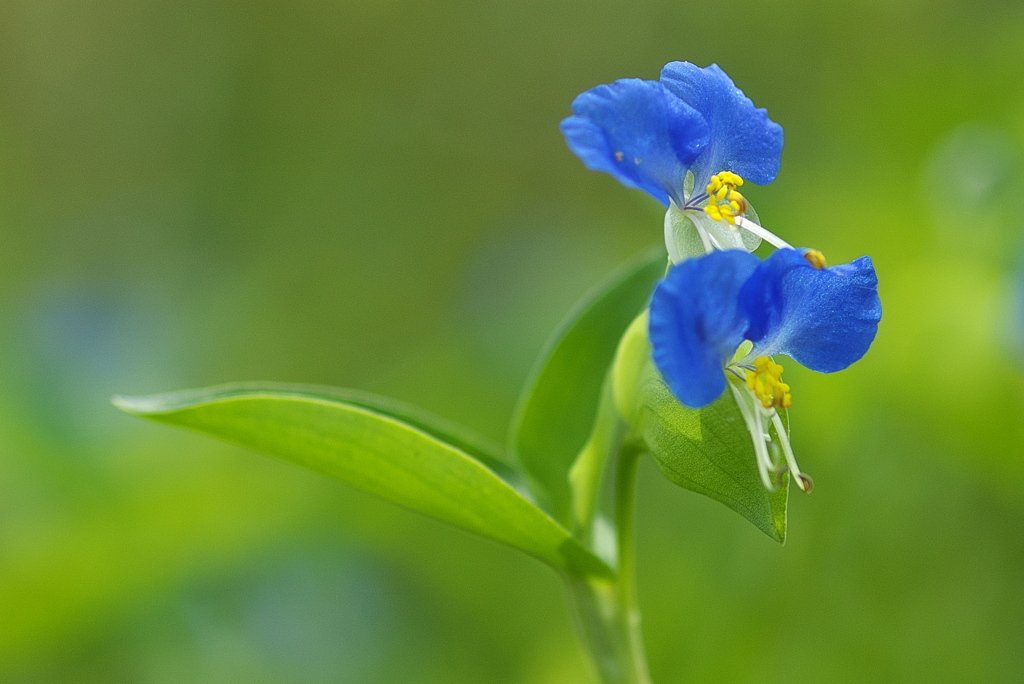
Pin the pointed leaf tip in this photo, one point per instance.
(137, 405)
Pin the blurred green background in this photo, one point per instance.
(375, 193)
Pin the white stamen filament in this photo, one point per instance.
(787, 449)
(752, 419)
(715, 242)
(705, 237)
(709, 241)
(766, 235)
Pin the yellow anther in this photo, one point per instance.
(731, 178)
(724, 202)
(765, 381)
(724, 178)
(815, 258)
(619, 156)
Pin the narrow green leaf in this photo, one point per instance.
(710, 451)
(487, 451)
(376, 452)
(556, 410)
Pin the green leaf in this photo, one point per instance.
(377, 451)
(710, 451)
(487, 451)
(556, 410)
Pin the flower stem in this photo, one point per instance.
(625, 513)
(607, 611)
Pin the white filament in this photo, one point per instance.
(752, 419)
(762, 233)
(787, 449)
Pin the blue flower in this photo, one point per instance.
(648, 134)
(743, 140)
(823, 318)
(697, 325)
(790, 303)
(638, 132)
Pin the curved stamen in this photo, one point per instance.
(752, 419)
(705, 238)
(804, 482)
(715, 242)
(766, 235)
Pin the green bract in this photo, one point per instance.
(707, 450)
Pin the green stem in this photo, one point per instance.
(609, 617)
(625, 514)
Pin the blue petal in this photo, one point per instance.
(639, 133)
(696, 325)
(825, 319)
(743, 139)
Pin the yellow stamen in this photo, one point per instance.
(724, 202)
(765, 381)
(815, 258)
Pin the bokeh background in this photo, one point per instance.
(375, 194)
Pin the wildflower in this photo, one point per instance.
(689, 140)
(716, 321)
